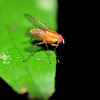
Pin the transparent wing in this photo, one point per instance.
(36, 22)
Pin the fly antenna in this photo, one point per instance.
(63, 41)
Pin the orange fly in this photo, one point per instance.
(44, 33)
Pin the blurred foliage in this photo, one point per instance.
(35, 76)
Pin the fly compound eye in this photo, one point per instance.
(60, 39)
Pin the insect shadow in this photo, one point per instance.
(40, 48)
(37, 48)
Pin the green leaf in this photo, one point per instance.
(35, 76)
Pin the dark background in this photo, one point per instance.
(65, 76)
(65, 71)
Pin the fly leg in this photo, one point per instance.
(55, 45)
(55, 51)
(33, 50)
(48, 53)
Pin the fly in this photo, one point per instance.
(44, 33)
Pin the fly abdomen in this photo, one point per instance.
(40, 33)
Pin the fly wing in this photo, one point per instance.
(36, 22)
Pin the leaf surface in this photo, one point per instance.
(35, 76)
